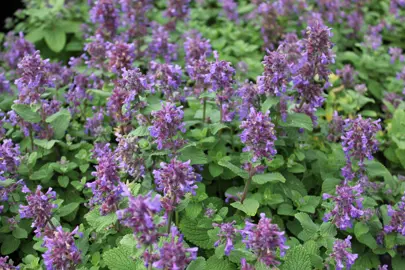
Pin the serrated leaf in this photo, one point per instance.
(299, 120)
(68, 209)
(217, 127)
(193, 210)
(286, 209)
(360, 228)
(262, 179)
(194, 234)
(9, 245)
(45, 143)
(214, 263)
(140, 131)
(215, 170)
(328, 229)
(63, 180)
(59, 122)
(310, 228)
(26, 113)
(368, 240)
(249, 206)
(297, 258)
(55, 39)
(120, 259)
(238, 171)
(195, 155)
(98, 222)
(198, 264)
(20, 233)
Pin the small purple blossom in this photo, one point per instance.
(342, 255)
(264, 239)
(120, 56)
(276, 74)
(6, 264)
(175, 179)
(249, 95)
(16, 49)
(397, 223)
(4, 84)
(245, 266)
(220, 74)
(227, 234)
(166, 78)
(347, 74)
(105, 15)
(347, 206)
(230, 9)
(62, 252)
(336, 127)
(196, 47)
(166, 123)
(39, 207)
(9, 158)
(396, 54)
(139, 216)
(160, 46)
(94, 124)
(177, 9)
(97, 49)
(173, 254)
(258, 135)
(129, 156)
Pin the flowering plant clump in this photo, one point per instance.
(203, 135)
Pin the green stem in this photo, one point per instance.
(245, 191)
(31, 138)
(204, 109)
(169, 222)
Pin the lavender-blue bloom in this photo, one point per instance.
(258, 135)
(16, 49)
(173, 254)
(94, 124)
(129, 156)
(249, 96)
(177, 9)
(220, 74)
(105, 15)
(62, 252)
(39, 207)
(230, 9)
(227, 234)
(105, 188)
(4, 84)
(160, 45)
(6, 264)
(196, 47)
(245, 266)
(276, 74)
(347, 75)
(397, 222)
(165, 78)
(97, 49)
(175, 179)
(9, 158)
(264, 239)
(347, 206)
(342, 255)
(139, 216)
(120, 56)
(336, 127)
(396, 54)
(166, 123)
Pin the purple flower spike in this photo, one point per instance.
(175, 179)
(228, 233)
(245, 266)
(16, 49)
(4, 265)
(129, 156)
(166, 124)
(347, 75)
(397, 223)
(263, 239)
(196, 47)
(4, 84)
(160, 45)
(173, 254)
(167, 79)
(336, 127)
(39, 207)
(105, 14)
(258, 135)
(9, 158)
(341, 254)
(220, 74)
(276, 74)
(250, 98)
(139, 216)
(62, 252)
(120, 56)
(230, 9)
(396, 54)
(348, 206)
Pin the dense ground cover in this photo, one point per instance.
(203, 135)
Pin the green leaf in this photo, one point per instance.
(214, 263)
(262, 179)
(217, 127)
(26, 113)
(120, 259)
(299, 120)
(194, 234)
(310, 228)
(9, 245)
(98, 222)
(285, 209)
(238, 171)
(35, 35)
(297, 258)
(63, 180)
(140, 132)
(198, 264)
(389, 240)
(360, 229)
(195, 155)
(329, 185)
(44, 173)
(249, 206)
(193, 210)
(59, 122)
(368, 240)
(20, 233)
(328, 229)
(215, 170)
(308, 204)
(68, 209)
(55, 39)
(45, 143)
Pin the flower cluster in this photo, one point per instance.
(160, 46)
(227, 232)
(258, 135)
(7, 265)
(264, 239)
(166, 123)
(94, 124)
(342, 255)
(139, 216)
(9, 158)
(4, 84)
(397, 223)
(175, 179)
(128, 156)
(105, 14)
(250, 98)
(347, 206)
(230, 9)
(177, 9)
(196, 47)
(97, 49)
(347, 75)
(120, 56)
(106, 189)
(16, 49)
(275, 76)
(39, 208)
(62, 252)
(336, 127)
(166, 78)
(220, 76)
(359, 143)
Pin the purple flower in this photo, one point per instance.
(245, 266)
(383, 267)
(77, 94)
(118, 99)
(397, 223)
(336, 127)
(347, 206)
(165, 78)
(129, 156)
(16, 49)
(264, 239)
(173, 254)
(39, 207)
(106, 189)
(342, 255)
(359, 143)
(97, 49)
(4, 265)
(94, 124)
(134, 17)
(276, 74)
(166, 124)
(249, 95)
(226, 234)
(360, 88)
(177, 9)
(220, 74)
(9, 158)
(347, 75)
(396, 54)
(230, 9)
(196, 47)
(258, 135)
(396, 6)
(105, 15)
(139, 216)
(4, 84)
(175, 179)
(160, 45)
(270, 28)
(62, 252)
(120, 56)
